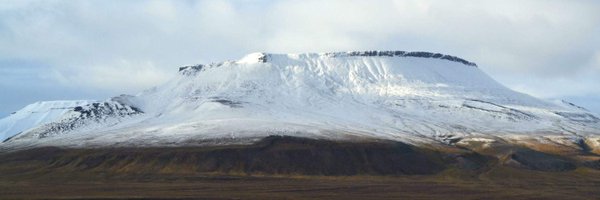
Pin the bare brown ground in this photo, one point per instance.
(278, 168)
(502, 183)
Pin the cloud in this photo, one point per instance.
(124, 75)
(547, 48)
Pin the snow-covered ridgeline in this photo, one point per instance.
(36, 114)
(405, 96)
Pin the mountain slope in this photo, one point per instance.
(34, 115)
(413, 97)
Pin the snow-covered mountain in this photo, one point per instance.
(413, 97)
(36, 114)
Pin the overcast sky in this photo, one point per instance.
(55, 50)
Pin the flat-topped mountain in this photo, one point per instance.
(411, 97)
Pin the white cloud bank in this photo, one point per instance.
(548, 48)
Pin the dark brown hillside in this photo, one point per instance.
(272, 155)
(296, 168)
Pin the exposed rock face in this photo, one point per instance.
(419, 54)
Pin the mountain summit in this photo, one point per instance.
(412, 97)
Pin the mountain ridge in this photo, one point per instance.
(265, 57)
(413, 97)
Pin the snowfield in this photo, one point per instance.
(413, 97)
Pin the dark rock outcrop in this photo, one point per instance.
(418, 54)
